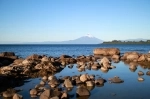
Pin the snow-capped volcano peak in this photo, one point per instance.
(89, 35)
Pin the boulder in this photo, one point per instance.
(68, 83)
(140, 73)
(106, 51)
(34, 57)
(46, 94)
(140, 79)
(33, 92)
(82, 91)
(5, 54)
(9, 93)
(89, 83)
(99, 81)
(116, 80)
(142, 58)
(84, 77)
(17, 96)
(148, 73)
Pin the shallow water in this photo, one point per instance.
(131, 88)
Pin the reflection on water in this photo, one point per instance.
(131, 88)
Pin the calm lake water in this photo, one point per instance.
(130, 89)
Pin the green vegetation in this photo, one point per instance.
(127, 42)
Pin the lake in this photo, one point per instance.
(131, 88)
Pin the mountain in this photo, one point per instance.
(87, 39)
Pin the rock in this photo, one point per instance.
(18, 61)
(3, 54)
(104, 69)
(33, 93)
(116, 80)
(17, 96)
(148, 73)
(140, 79)
(112, 67)
(9, 93)
(64, 96)
(115, 57)
(65, 56)
(83, 77)
(105, 62)
(42, 83)
(99, 81)
(106, 51)
(89, 83)
(140, 73)
(45, 59)
(46, 94)
(68, 83)
(34, 57)
(56, 97)
(82, 91)
(133, 65)
(142, 58)
(45, 78)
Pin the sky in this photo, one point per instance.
(60, 20)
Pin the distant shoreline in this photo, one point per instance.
(127, 42)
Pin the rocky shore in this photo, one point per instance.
(14, 70)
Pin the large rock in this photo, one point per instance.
(46, 94)
(106, 51)
(9, 93)
(17, 96)
(3, 54)
(116, 80)
(105, 62)
(82, 91)
(84, 77)
(33, 92)
(34, 57)
(68, 83)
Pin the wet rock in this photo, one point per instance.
(115, 56)
(42, 83)
(45, 78)
(46, 94)
(45, 59)
(33, 92)
(18, 61)
(3, 54)
(84, 77)
(68, 83)
(116, 79)
(140, 79)
(112, 67)
(140, 73)
(142, 58)
(104, 69)
(64, 95)
(17, 96)
(148, 73)
(106, 51)
(89, 83)
(82, 91)
(99, 81)
(65, 56)
(9, 93)
(34, 57)
(56, 97)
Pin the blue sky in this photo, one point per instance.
(59, 20)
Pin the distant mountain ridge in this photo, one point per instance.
(88, 39)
